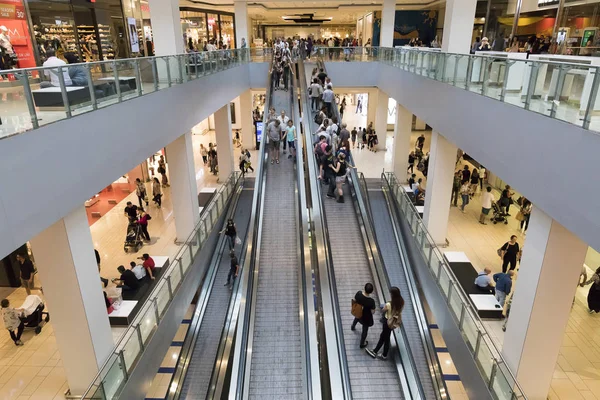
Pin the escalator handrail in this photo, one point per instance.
(410, 382)
(311, 345)
(240, 354)
(207, 284)
(426, 338)
(339, 375)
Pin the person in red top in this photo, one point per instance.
(143, 219)
(148, 264)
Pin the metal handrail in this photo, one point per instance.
(151, 305)
(339, 376)
(449, 291)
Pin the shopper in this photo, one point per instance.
(234, 268)
(524, 214)
(290, 133)
(127, 280)
(52, 73)
(162, 170)
(353, 134)
(142, 221)
(230, 231)
(465, 191)
(283, 123)
(466, 174)
(328, 99)
(316, 91)
(503, 285)
(77, 73)
(486, 204)
(421, 142)
(364, 299)
(138, 270)
(148, 264)
(411, 162)
(344, 134)
(342, 108)
(27, 273)
(212, 159)
(156, 192)
(474, 181)
(329, 161)
(274, 134)
(140, 191)
(322, 75)
(506, 199)
(203, 153)
(131, 211)
(456, 184)
(340, 169)
(392, 318)
(481, 177)
(12, 322)
(593, 297)
(509, 253)
(484, 282)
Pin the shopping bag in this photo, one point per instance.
(238, 241)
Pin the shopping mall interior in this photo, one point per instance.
(299, 200)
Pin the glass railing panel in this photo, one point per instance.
(131, 350)
(444, 281)
(503, 384)
(469, 330)
(17, 108)
(162, 297)
(176, 276)
(455, 303)
(494, 77)
(485, 359)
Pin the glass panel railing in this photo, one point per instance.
(130, 347)
(487, 357)
(37, 96)
(560, 87)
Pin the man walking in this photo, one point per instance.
(26, 273)
(486, 204)
(366, 320)
(328, 99)
(456, 188)
(503, 285)
(234, 268)
(274, 133)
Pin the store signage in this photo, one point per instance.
(259, 131)
(544, 3)
(134, 39)
(17, 37)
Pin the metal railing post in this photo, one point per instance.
(154, 73)
(532, 82)
(117, 83)
(168, 62)
(587, 119)
(505, 82)
(91, 87)
(181, 66)
(24, 78)
(138, 77)
(63, 92)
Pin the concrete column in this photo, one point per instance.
(442, 159)
(388, 15)
(64, 256)
(184, 190)
(166, 27)
(371, 106)
(552, 261)
(381, 118)
(224, 142)
(458, 26)
(402, 132)
(242, 25)
(248, 140)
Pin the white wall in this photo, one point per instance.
(545, 158)
(51, 170)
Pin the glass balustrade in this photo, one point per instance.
(115, 372)
(33, 97)
(492, 367)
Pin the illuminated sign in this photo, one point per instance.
(544, 3)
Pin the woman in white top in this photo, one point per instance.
(481, 177)
(12, 322)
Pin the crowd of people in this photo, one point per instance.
(533, 44)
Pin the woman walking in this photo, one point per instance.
(162, 170)
(203, 153)
(140, 191)
(230, 231)
(594, 293)
(156, 192)
(143, 223)
(391, 320)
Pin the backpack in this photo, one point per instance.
(148, 217)
(318, 118)
(394, 321)
(357, 309)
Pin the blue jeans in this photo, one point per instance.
(465, 201)
(501, 297)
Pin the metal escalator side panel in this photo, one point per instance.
(337, 374)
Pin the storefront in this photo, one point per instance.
(16, 45)
(201, 26)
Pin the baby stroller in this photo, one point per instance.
(34, 315)
(133, 239)
(499, 214)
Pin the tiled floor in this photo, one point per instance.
(34, 371)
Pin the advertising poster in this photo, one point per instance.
(134, 39)
(15, 38)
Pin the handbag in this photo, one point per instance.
(357, 309)
(520, 216)
(238, 241)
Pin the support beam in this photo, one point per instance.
(184, 190)
(442, 160)
(67, 269)
(224, 142)
(543, 296)
(381, 118)
(388, 15)
(248, 138)
(166, 27)
(242, 24)
(458, 26)
(402, 132)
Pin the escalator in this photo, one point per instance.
(275, 353)
(357, 257)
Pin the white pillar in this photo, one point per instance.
(184, 190)
(388, 15)
(224, 142)
(442, 159)
(458, 26)
(371, 105)
(64, 256)
(240, 9)
(402, 132)
(381, 118)
(166, 27)
(248, 140)
(551, 264)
